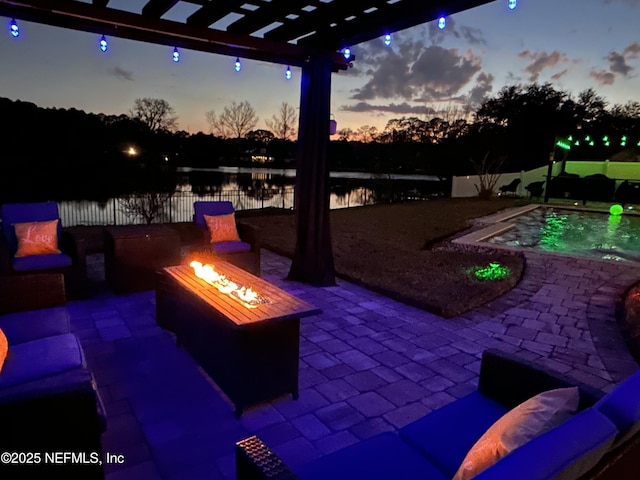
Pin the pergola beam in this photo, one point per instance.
(157, 8)
(106, 21)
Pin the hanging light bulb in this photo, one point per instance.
(103, 43)
(287, 73)
(176, 55)
(513, 4)
(442, 22)
(347, 53)
(14, 30)
(387, 39)
(237, 64)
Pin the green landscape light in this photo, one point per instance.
(563, 144)
(493, 271)
(591, 143)
(577, 143)
(587, 138)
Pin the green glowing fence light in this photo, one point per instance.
(493, 271)
(591, 143)
(587, 138)
(616, 209)
(577, 143)
(623, 141)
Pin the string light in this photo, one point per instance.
(103, 43)
(347, 53)
(237, 65)
(287, 73)
(14, 30)
(442, 22)
(176, 55)
(387, 40)
(513, 4)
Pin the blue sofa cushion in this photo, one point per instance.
(41, 358)
(565, 452)
(41, 262)
(383, 457)
(458, 425)
(622, 406)
(23, 327)
(230, 247)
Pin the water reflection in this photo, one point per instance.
(254, 189)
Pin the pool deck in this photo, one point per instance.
(368, 364)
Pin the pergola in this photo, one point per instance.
(308, 34)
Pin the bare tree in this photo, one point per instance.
(367, 134)
(147, 206)
(282, 125)
(155, 113)
(488, 173)
(235, 121)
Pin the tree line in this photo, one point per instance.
(48, 149)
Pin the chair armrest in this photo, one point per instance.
(249, 234)
(256, 461)
(510, 380)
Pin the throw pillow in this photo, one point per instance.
(518, 426)
(222, 227)
(37, 238)
(4, 348)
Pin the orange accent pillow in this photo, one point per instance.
(37, 238)
(4, 348)
(222, 227)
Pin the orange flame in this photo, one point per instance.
(206, 272)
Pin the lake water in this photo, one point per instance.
(253, 188)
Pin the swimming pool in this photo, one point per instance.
(574, 232)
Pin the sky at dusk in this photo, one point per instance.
(574, 44)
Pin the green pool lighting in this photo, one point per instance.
(616, 209)
(493, 271)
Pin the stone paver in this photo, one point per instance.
(368, 364)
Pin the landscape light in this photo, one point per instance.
(623, 141)
(14, 30)
(563, 144)
(176, 55)
(493, 271)
(387, 39)
(347, 53)
(287, 73)
(616, 209)
(513, 4)
(237, 65)
(103, 43)
(442, 22)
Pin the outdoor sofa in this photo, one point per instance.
(601, 440)
(48, 399)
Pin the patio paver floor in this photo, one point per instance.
(367, 364)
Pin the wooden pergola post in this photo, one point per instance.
(313, 258)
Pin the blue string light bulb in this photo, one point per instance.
(347, 53)
(237, 65)
(14, 30)
(287, 73)
(442, 22)
(103, 43)
(176, 55)
(513, 4)
(387, 39)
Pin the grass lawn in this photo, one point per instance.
(388, 249)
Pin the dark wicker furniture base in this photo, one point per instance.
(251, 354)
(133, 253)
(31, 291)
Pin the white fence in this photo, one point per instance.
(466, 186)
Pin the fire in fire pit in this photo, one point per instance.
(241, 293)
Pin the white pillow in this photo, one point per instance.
(518, 426)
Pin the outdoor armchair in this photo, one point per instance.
(33, 240)
(224, 238)
(511, 187)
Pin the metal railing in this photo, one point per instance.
(177, 207)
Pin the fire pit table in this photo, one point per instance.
(249, 348)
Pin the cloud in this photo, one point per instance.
(541, 61)
(618, 64)
(559, 75)
(472, 35)
(631, 3)
(121, 73)
(484, 86)
(396, 108)
(602, 77)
